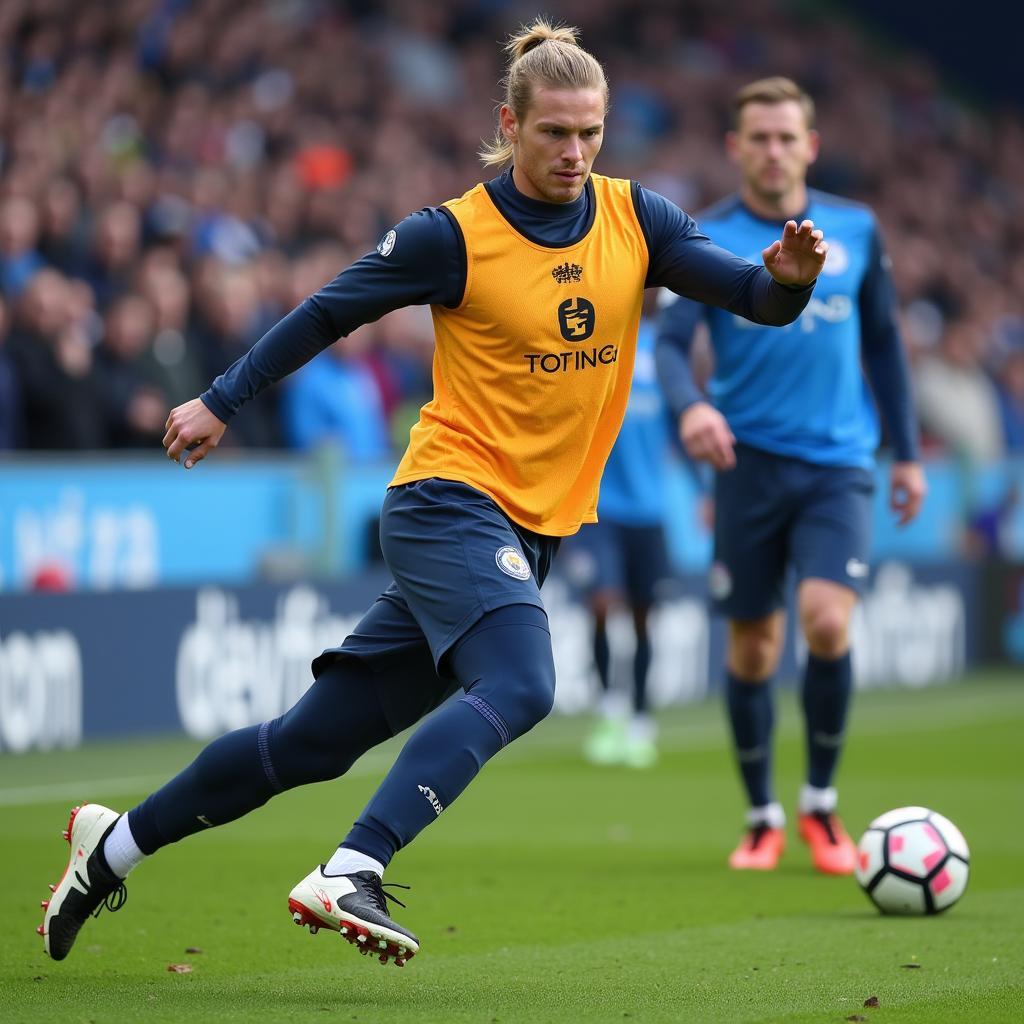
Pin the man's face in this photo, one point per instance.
(555, 144)
(773, 147)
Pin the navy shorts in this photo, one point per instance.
(629, 560)
(454, 556)
(774, 513)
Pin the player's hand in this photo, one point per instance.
(706, 436)
(797, 257)
(192, 430)
(907, 490)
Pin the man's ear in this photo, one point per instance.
(814, 141)
(509, 123)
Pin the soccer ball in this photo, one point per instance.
(912, 861)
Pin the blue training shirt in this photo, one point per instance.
(800, 390)
(633, 484)
(423, 262)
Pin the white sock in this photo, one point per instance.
(771, 815)
(814, 800)
(120, 850)
(348, 862)
(642, 729)
(612, 705)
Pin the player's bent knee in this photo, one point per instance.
(297, 754)
(754, 657)
(506, 662)
(530, 700)
(827, 631)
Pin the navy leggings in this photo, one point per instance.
(505, 668)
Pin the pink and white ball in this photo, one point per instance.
(913, 861)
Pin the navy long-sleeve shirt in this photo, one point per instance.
(423, 262)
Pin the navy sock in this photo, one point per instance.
(602, 652)
(752, 716)
(333, 723)
(641, 668)
(505, 666)
(826, 699)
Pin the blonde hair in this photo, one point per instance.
(542, 54)
(772, 91)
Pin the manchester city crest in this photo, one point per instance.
(512, 562)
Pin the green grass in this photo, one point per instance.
(551, 891)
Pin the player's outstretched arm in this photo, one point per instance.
(797, 257)
(687, 262)
(192, 431)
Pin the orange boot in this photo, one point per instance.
(760, 848)
(832, 850)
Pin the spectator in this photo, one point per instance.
(135, 410)
(172, 362)
(229, 315)
(52, 356)
(115, 253)
(19, 234)
(337, 400)
(62, 240)
(1010, 383)
(956, 399)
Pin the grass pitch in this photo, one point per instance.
(551, 891)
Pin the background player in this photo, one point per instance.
(536, 281)
(792, 432)
(620, 560)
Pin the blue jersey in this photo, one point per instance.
(800, 390)
(633, 484)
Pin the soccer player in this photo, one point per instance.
(621, 559)
(535, 281)
(791, 431)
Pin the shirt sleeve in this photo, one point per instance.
(676, 325)
(885, 359)
(685, 260)
(421, 261)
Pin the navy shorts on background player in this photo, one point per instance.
(628, 559)
(771, 511)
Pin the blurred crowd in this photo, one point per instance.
(175, 175)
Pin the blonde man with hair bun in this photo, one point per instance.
(535, 280)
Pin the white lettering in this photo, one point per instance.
(40, 691)
(232, 672)
(109, 545)
(836, 309)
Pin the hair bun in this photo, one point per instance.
(541, 31)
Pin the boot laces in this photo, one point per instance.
(824, 819)
(113, 901)
(757, 833)
(377, 891)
